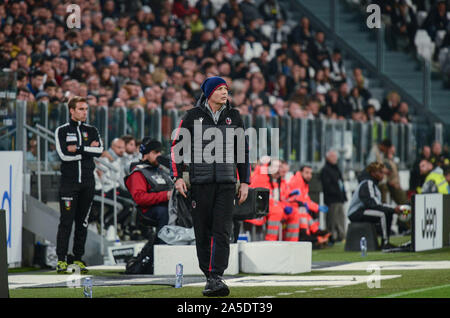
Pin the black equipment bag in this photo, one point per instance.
(256, 205)
(143, 262)
(183, 209)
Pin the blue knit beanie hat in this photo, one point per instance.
(211, 84)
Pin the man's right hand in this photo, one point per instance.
(181, 187)
(72, 148)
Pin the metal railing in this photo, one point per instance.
(301, 140)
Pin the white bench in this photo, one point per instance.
(166, 257)
(254, 257)
(275, 257)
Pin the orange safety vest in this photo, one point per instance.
(297, 183)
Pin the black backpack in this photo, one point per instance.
(143, 262)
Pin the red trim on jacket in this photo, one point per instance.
(139, 190)
(172, 154)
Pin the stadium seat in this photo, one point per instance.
(425, 46)
(356, 230)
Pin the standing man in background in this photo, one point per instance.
(334, 196)
(76, 144)
(213, 184)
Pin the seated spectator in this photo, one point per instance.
(181, 8)
(270, 10)
(416, 178)
(31, 154)
(389, 105)
(437, 157)
(357, 79)
(150, 186)
(336, 66)
(283, 87)
(249, 11)
(320, 83)
(435, 181)
(318, 50)
(403, 111)
(295, 110)
(205, 10)
(343, 107)
(302, 33)
(131, 153)
(280, 32)
(356, 100)
(371, 113)
(366, 206)
(313, 109)
(404, 23)
(436, 20)
(36, 83)
(108, 179)
(278, 108)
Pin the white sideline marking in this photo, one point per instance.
(276, 280)
(389, 265)
(414, 291)
(20, 281)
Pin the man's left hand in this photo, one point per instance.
(243, 193)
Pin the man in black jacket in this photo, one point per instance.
(366, 205)
(76, 144)
(334, 196)
(213, 169)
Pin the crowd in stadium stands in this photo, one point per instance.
(154, 54)
(405, 17)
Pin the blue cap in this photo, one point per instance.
(211, 84)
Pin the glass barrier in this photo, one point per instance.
(152, 123)
(296, 140)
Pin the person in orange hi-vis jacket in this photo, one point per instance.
(298, 188)
(271, 176)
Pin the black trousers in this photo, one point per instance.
(375, 216)
(75, 205)
(212, 215)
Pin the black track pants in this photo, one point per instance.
(212, 208)
(375, 216)
(75, 205)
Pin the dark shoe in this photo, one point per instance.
(388, 246)
(215, 287)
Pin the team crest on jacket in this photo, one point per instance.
(68, 204)
(85, 135)
(194, 204)
(228, 121)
